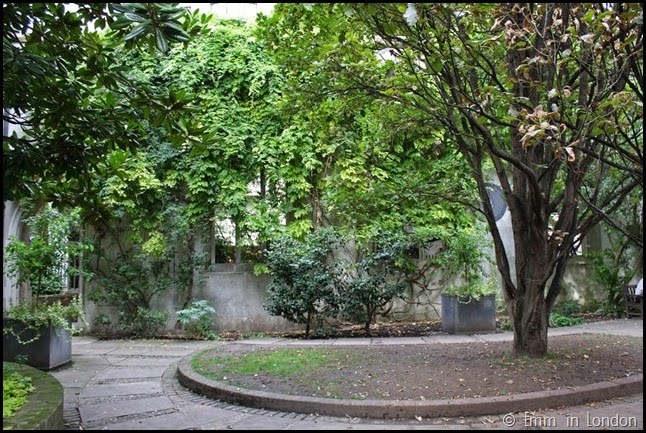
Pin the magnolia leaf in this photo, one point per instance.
(139, 30)
(160, 39)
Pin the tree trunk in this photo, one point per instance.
(530, 327)
(528, 307)
(238, 247)
(307, 325)
(366, 325)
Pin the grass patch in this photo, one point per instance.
(281, 363)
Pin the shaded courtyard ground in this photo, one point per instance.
(433, 371)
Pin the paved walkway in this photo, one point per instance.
(128, 385)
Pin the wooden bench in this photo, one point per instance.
(634, 303)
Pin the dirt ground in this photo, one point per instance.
(443, 371)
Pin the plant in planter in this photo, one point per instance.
(25, 321)
(469, 306)
(39, 329)
(40, 333)
(472, 292)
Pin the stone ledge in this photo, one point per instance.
(44, 407)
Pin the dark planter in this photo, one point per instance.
(463, 316)
(52, 348)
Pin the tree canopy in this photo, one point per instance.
(69, 98)
(546, 98)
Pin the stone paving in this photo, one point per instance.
(128, 385)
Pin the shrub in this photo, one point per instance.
(592, 306)
(302, 287)
(371, 282)
(309, 284)
(506, 324)
(558, 320)
(612, 268)
(145, 323)
(198, 319)
(102, 325)
(567, 308)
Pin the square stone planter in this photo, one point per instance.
(52, 348)
(464, 316)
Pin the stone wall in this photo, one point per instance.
(237, 295)
(12, 226)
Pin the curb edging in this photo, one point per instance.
(389, 409)
(44, 407)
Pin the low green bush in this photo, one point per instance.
(567, 308)
(145, 323)
(592, 306)
(558, 320)
(198, 320)
(102, 326)
(302, 289)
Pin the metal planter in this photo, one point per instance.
(466, 316)
(52, 348)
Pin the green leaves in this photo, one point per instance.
(229, 140)
(43, 261)
(373, 164)
(71, 95)
(15, 390)
(319, 277)
(198, 319)
(302, 286)
(31, 318)
(158, 23)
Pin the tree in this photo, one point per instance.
(369, 280)
(72, 102)
(302, 289)
(363, 165)
(547, 97)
